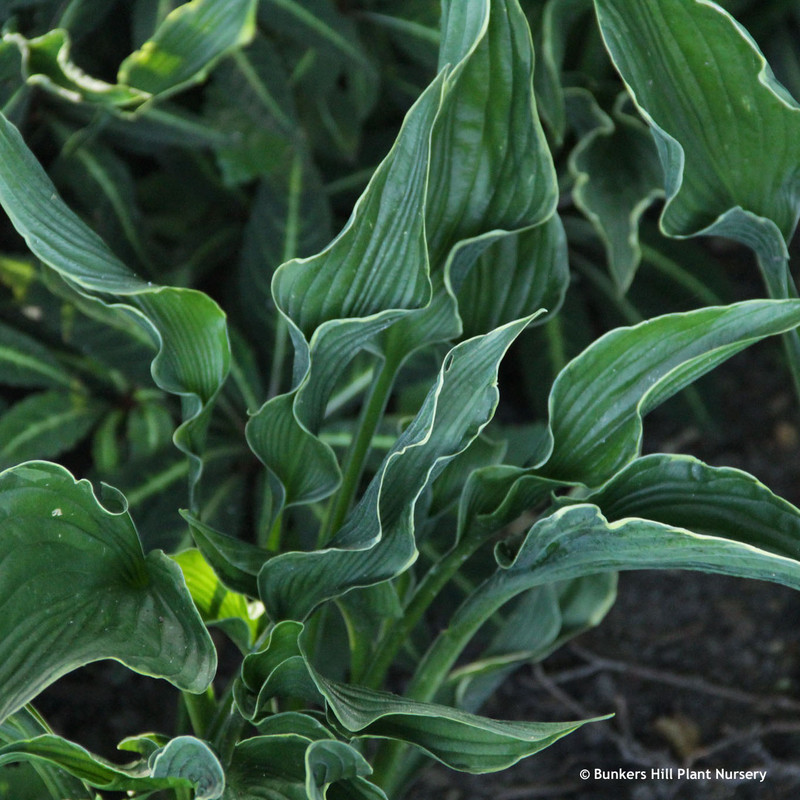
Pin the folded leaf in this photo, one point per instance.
(288, 766)
(47, 64)
(277, 670)
(598, 400)
(339, 300)
(612, 192)
(487, 134)
(714, 501)
(184, 762)
(376, 541)
(40, 779)
(76, 587)
(189, 758)
(726, 130)
(460, 740)
(188, 43)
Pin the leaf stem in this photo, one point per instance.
(781, 286)
(290, 248)
(371, 414)
(201, 709)
(273, 539)
(391, 770)
(397, 634)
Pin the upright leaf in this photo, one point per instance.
(599, 398)
(486, 136)
(613, 193)
(337, 302)
(376, 541)
(726, 130)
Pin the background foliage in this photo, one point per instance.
(263, 262)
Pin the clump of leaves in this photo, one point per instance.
(350, 521)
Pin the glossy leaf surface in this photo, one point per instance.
(77, 588)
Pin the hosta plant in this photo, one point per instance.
(317, 473)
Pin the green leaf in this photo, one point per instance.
(495, 496)
(366, 613)
(149, 428)
(263, 120)
(290, 766)
(290, 217)
(449, 485)
(235, 562)
(215, 603)
(376, 541)
(26, 362)
(726, 130)
(191, 759)
(558, 20)
(14, 93)
(612, 192)
(277, 670)
(337, 302)
(577, 541)
(188, 43)
(334, 81)
(104, 185)
(76, 587)
(598, 400)
(528, 631)
(460, 740)
(315, 22)
(36, 778)
(486, 135)
(182, 763)
(46, 425)
(715, 501)
(514, 275)
(542, 621)
(186, 326)
(47, 64)
(328, 762)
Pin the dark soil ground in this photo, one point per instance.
(702, 672)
